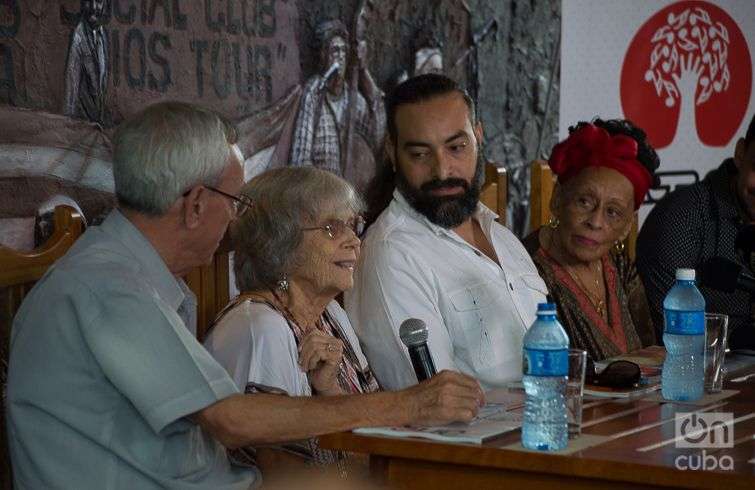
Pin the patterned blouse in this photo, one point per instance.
(352, 379)
(628, 328)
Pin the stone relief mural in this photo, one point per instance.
(303, 80)
(341, 122)
(70, 73)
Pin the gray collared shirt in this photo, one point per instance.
(104, 371)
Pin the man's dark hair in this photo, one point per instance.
(420, 89)
(750, 136)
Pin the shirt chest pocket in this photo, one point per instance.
(529, 290)
(471, 298)
(534, 282)
(472, 322)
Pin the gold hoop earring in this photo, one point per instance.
(553, 222)
(619, 246)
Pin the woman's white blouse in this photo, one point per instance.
(254, 343)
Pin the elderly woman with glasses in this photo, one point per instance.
(604, 170)
(294, 252)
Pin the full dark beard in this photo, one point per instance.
(445, 211)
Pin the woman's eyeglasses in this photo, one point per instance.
(337, 227)
(618, 374)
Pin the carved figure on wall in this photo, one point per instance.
(427, 58)
(115, 58)
(86, 74)
(320, 131)
(43, 155)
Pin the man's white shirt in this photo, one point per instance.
(476, 311)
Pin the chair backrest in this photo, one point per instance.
(18, 273)
(542, 182)
(210, 284)
(495, 190)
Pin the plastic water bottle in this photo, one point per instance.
(683, 376)
(546, 369)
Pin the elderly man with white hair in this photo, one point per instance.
(108, 387)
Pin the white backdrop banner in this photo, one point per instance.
(681, 70)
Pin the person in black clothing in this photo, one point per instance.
(698, 222)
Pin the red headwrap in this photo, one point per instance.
(591, 146)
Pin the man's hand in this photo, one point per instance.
(234, 421)
(446, 397)
(320, 356)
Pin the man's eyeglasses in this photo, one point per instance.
(241, 204)
(336, 227)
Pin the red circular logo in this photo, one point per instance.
(687, 66)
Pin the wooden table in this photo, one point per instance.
(639, 452)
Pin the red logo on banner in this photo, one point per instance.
(688, 68)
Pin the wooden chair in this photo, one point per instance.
(495, 190)
(18, 273)
(542, 182)
(211, 285)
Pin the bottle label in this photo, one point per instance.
(546, 362)
(684, 322)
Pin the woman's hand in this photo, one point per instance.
(320, 357)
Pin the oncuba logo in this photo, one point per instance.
(704, 431)
(687, 76)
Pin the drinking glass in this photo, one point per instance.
(716, 329)
(574, 391)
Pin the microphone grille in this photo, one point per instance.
(413, 331)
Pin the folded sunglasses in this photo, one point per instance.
(618, 374)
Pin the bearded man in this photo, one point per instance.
(437, 254)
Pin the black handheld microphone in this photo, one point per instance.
(727, 276)
(413, 333)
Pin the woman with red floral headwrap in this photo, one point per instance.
(604, 170)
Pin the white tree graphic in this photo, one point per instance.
(690, 51)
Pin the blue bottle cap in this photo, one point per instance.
(546, 308)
